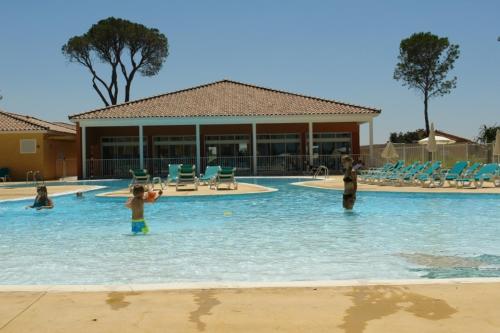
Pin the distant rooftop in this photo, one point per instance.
(12, 122)
(225, 98)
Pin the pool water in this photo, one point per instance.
(293, 234)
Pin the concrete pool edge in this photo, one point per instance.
(93, 188)
(240, 285)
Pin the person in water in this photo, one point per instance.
(350, 183)
(136, 204)
(42, 200)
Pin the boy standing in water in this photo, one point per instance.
(350, 183)
(136, 204)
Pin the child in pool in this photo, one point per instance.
(136, 204)
(42, 200)
(350, 183)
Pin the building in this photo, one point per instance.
(256, 129)
(31, 144)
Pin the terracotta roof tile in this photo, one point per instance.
(11, 122)
(225, 98)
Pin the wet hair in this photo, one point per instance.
(138, 189)
(346, 158)
(41, 188)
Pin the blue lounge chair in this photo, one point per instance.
(210, 174)
(409, 177)
(488, 172)
(173, 173)
(372, 175)
(426, 177)
(391, 177)
(382, 176)
(186, 175)
(449, 175)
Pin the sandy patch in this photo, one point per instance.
(243, 188)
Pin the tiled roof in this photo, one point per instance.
(11, 122)
(456, 138)
(225, 98)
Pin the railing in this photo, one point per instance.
(283, 165)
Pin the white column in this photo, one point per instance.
(83, 130)
(254, 148)
(141, 147)
(370, 129)
(198, 149)
(311, 155)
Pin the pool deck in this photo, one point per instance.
(428, 307)
(203, 190)
(20, 193)
(336, 183)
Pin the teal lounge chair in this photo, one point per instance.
(425, 177)
(409, 177)
(140, 176)
(392, 177)
(382, 176)
(488, 172)
(450, 175)
(210, 174)
(4, 174)
(226, 176)
(173, 173)
(373, 175)
(186, 175)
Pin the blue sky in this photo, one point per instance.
(344, 50)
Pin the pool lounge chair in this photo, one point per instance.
(391, 177)
(4, 174)
(373, 174)
(140, 176)
(173, 173)
(450, 175)
(426, 177)
(226, 176)
(381, 177)
(208, 178)
(186, 175)
(488, 173)
(408, 178)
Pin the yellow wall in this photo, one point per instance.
(49, 149)
(11, 157)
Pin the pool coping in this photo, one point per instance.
(94, 188)
(240, 285)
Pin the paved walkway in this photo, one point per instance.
(457, 308)
(336, 183)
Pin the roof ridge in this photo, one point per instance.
(19, 118)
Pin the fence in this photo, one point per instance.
(282, 165)
(448, 154)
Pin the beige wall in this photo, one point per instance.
(11, 157)
(49, 149)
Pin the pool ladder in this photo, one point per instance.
(35, 178)
(320, 169)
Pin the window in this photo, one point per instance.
(278, 144)
(27, 146)
(227, 145)
(174, 146)
(332, 143)
(122, 147)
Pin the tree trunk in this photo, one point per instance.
(426, 104)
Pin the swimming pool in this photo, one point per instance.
(294, 234)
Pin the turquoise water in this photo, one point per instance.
(294, 234)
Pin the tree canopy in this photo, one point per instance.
(407, 137)
(125, 46)
(487, 134)
(424, 63)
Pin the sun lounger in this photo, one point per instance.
(173, 171)
(488, 173)
(4, 174)
(426, 177)
(450, 175)
(186, 175)
(210, 174)
(408, 178)
(226, 176)
(391, 177)
(139, 176)
(381, 176)
(367, 176)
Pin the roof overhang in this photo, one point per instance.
(225, 120)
